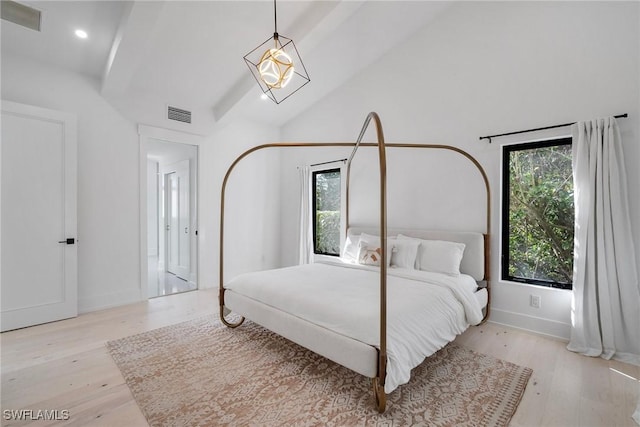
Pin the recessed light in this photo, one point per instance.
(264, 96)
(81, 34)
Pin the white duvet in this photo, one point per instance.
(425, 310)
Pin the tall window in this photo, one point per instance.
(326, 211)
(538, 213)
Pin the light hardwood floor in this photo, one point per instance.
(65, 366)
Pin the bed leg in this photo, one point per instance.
(224, 311)
(379, 394)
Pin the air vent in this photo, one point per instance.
(21, 14)
(179, 115)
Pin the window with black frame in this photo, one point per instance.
(326, 199)
(538, 213)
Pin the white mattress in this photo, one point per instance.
(425, 310)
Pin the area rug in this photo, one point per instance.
(200, 373)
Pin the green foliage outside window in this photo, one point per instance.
(327, 201)
(328, 232)
(540, 214)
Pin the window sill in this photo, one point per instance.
(531, 285)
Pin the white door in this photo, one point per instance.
(38, 253)
(178, 214)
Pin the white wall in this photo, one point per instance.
(252, 219)
(483, 68)
(108, 226)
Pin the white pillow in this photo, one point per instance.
(369, 238)
(350, 251)
(415, 239)
(404, 252)
(439, 256)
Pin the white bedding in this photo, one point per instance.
(425, 310)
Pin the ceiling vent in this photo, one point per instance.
(179, 115)
(22, 15)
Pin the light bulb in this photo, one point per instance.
(276, 68)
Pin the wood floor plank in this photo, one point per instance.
(65, 366)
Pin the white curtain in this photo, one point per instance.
(305, 232)
(606, 294)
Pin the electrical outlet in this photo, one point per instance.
(534, 301)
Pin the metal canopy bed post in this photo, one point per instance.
(378, 382)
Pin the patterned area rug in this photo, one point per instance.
(200, 373)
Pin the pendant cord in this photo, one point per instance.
(275, 17)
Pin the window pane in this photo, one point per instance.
(539, 222)
(326, 227)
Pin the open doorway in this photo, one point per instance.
(171, 217)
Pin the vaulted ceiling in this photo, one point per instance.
(146, 55)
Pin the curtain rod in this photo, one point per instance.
(619, 116)
(326, 163)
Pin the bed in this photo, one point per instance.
(433, 284)
(328, 305)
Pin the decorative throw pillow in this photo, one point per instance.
(373, 243)
(369, 255)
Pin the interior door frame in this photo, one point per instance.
(146, 133)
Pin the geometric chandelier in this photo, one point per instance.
(276, 65)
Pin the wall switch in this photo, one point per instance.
(534, 301)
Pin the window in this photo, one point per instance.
(538, 213)
(326, 211)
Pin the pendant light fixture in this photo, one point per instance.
(277, 66)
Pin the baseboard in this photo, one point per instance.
(537, 325)
(101, 302)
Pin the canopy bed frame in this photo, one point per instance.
(370, 361)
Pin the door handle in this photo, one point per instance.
(69, 241)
